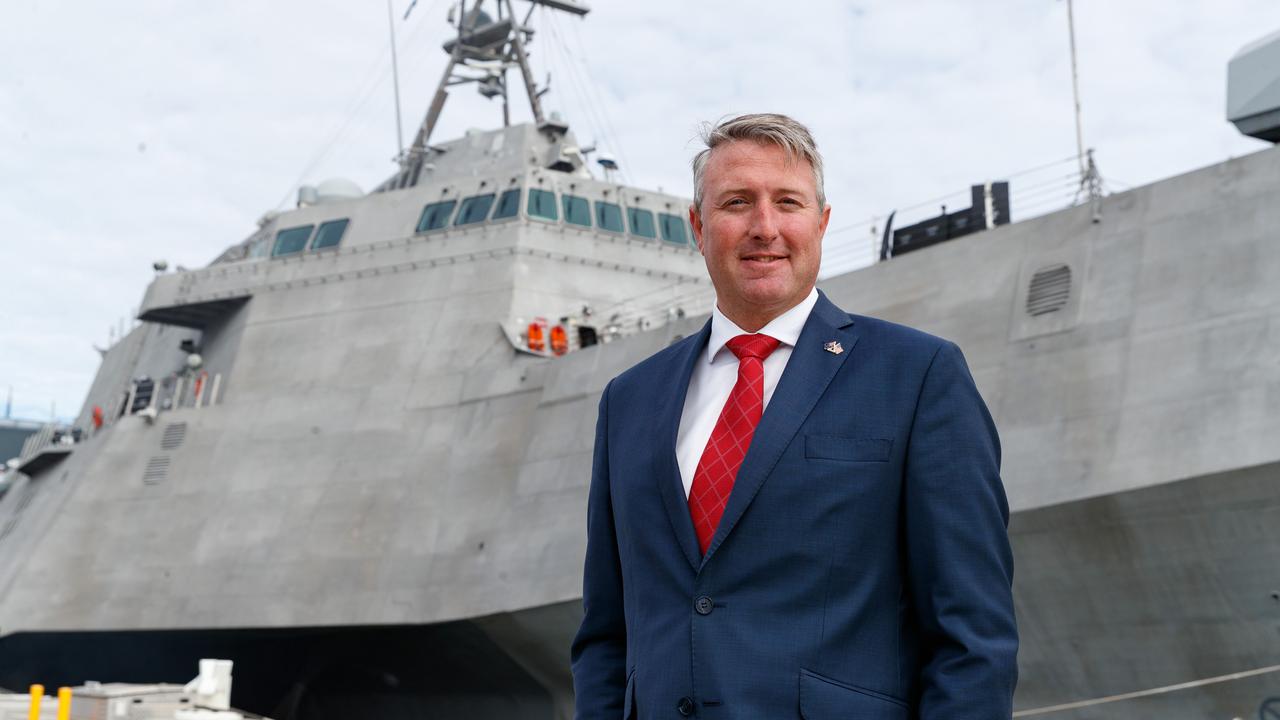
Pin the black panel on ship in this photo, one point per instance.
(449, 670)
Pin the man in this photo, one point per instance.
(796, 512)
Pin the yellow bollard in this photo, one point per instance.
(64, 703)
(37, 697)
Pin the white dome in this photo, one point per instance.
(338, 189)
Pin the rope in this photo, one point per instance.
(596, 115)
(372, 80)
(1148, 693)
(1049, 203)
(694, 293)
(1071, 179)
(1046, 166)
(586, 65)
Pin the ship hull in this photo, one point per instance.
(1115, 594)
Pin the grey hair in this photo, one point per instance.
(764, 128)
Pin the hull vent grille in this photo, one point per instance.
(1049, 291)
(174, 434)
(156, 471)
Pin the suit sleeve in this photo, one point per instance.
(600, 647)
(959, 563)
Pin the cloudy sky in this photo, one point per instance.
(131, 132)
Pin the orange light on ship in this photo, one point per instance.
(559, 340)
(536, 341)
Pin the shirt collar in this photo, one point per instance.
(785, 328)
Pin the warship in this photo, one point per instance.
(351, 454)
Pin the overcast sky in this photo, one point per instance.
(131, 132)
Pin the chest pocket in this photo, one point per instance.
(831, 447)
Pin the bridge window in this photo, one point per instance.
(673, 229)
(542, 204)
(641, 222)
(508, 204)
(474, 209)
(576, 210)
(330, 234)
(608, 216)
(436, 215)
(291, 240)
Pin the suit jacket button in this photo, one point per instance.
(703, 605)
(685, 707)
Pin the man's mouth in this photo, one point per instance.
(764, 259)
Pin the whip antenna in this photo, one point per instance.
(395, 76)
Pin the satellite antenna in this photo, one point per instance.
(485, 48)
(609, 163)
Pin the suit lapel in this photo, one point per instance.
(670, 485)
(809, 371)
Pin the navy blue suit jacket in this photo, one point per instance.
(862, 566)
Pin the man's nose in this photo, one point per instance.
(764, 222)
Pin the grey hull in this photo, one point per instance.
(382, 456)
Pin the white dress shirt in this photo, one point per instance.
(716, 372)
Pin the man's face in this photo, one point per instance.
(760, 230)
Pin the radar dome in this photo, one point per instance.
(337, 189)
(476, 19)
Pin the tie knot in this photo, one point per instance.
(757, 346)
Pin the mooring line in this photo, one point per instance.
(1147, 693)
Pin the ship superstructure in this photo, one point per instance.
(347, 456)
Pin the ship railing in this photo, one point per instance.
(148, 398)
(44, 448)
(51, 434)
(613, 323)
(628, 321)
(196, 390)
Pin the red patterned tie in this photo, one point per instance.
(713, 480)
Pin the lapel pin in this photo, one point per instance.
(833, 347)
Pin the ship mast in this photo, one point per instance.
(482, 53)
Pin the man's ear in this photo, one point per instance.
(695, 222)
(826, 218)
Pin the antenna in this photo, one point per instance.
(482, 53)
(1090, 178)
(1075, 88)
(395, 75)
